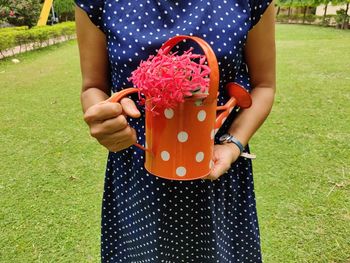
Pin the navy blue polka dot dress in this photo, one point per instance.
(150, 219)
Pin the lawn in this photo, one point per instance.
(51, 179)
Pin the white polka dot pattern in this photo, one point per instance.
(169, 113)
(181, 171)
(199, 157)
(201, 115)
(182, 136)
(149, 219)
(165, 155)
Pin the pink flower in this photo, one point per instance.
(167, 79)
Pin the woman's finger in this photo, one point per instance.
(102, 111)
(220, 167)
(127, 134)
(130, 108)
(114, 125)
(120, 140)
(111, 126)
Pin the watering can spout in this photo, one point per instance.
(238, 97)
(242, 96)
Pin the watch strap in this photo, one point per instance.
(235, 141)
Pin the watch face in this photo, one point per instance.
(224, 137)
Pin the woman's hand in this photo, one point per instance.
(224, 155)
(108, 124)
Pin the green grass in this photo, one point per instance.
(303, 166)
(51, 172)
(51, 178)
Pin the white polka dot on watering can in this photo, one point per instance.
(201, 115)
(182, 136)
(181, 171)
(165, 155)
(168, 113)
(199, 157)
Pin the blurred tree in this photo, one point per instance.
(342, 15)
(64, 9)
(20, 12)
(305, 4)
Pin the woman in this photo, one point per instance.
(146, 218)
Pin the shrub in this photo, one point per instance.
(12, 29)
(342, 19)
(296, 18)
(7, 40)
(328, 20)
(64, 9)
(36, 36)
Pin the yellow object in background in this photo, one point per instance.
(45, 11)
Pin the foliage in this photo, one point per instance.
(299, 3)
(342, 18)
(328, 20)
(12, 29)
(297, 18)
(7, 40)
(37, 36)
(64, 9)
(20, 12)
(340, 2)
(303, 3)
(341, 15)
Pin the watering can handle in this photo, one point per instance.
(239, 96)
(211, 59)
(116, 97)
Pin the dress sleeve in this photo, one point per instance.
(257, 9)
(94, 10)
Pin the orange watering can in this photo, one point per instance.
(180, 141)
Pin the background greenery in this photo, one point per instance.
(20, 12)
(24, 37)
(26, 12)
(340, 20)
(51, 178)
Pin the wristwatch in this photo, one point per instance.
(228, 138)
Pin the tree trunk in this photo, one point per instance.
(346, 17)
(289, 12)
(305, 9)
(324, 14)
(278, 10)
